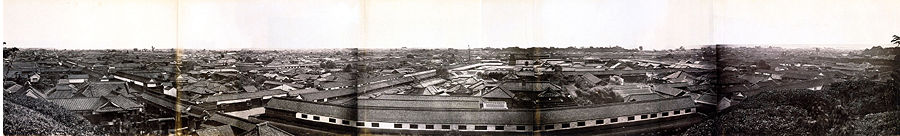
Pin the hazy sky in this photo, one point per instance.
(852, 23)
(89, 23)
(653, 24)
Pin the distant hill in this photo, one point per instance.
(846, 108)
(28, 116)
(878, 50)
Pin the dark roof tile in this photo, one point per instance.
(80, 104)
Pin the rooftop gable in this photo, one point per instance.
(668, 90)
(499, 93)
(265, 129)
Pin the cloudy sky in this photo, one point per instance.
(653, 24)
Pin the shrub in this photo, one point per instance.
(844, 108)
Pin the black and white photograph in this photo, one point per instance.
(450, 67)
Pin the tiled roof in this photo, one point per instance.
(428, 98)
(698, 88)
(164, 103)
(679, 76)
(122, 102)
(436, 104)
(496, 92)
(591, 78)
(284, 87)
(388, 83)
(724, 103)
(79, 104)
(13, 88)
(243, 95)
(35, 94)
(344, 101)
(223, 130)
(232, 121)
(572, 90)
(643, 97)
(206, 87)
(132, 76)
(379, 78)
(305, 76)
(78, 76)
(706, 99)
(328, 94)
(265, 129)
(531, 86)
(753, 79)
(108, 108)
(668, 90)
(68, 87)
(273, 82)
(337, 84)
(250, 88)
(99, 89)
(569, 114)
(61, 94)
(62, 81)
(626, 92)
(675, 85)
(302, 91)
(8, 83)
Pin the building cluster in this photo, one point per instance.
(301, 92)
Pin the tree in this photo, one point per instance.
(896, 73)
(495, 75)
(896, 40)
(640, 48)
(556, 76)
(10, 51)
(353, 67)
(762, 64)
(442, 72)
(327, 64)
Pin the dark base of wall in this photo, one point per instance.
(659, 126)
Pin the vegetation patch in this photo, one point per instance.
(846, 108)
(29, 116)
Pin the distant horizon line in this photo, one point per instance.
(805, 46)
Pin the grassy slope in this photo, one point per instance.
(847, 108)
(28, 116)
(19, 120)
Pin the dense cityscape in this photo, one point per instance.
(735, 89)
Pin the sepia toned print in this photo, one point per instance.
(488, 67)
